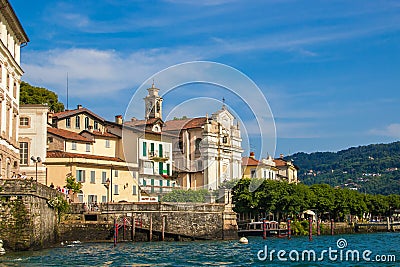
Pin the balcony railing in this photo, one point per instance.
(155, 156)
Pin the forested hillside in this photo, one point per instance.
(372, 169)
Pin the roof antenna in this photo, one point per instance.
(67, 91)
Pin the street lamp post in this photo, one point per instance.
(36, 161)
(107, 186)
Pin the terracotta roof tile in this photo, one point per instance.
(280, 162)
(98, 133)
(247, 161)
(142, 122)
(62, 154)
(176, 125)
(67, 135)
(68, 113)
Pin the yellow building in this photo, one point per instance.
(287, 170)
(80, 144)
(265, 168)
(12, 38)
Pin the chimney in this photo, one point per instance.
(281, 156)
(79, 106)
(252, 155)
(118, 119)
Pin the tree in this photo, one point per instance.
(37, 95)
(181, 195)
(72, 184)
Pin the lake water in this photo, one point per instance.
(222, 253)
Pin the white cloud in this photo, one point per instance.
(97, 71)
(392, 130)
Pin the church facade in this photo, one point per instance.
(206, 151)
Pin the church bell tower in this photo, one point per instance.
(153, 103)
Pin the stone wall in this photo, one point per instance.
(186, 220)
(26, 220)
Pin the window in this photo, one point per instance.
(103, 177)
(197, 144)
(180, 145)
(116, 173)
(144, 149)
(23, 153)
(160, 168)
(253, 173)
(15, 90)
(80, 198)
(96, 125)
(134, 190)
(116, 189)
(160, 150)
(151, 149)
(107, 143)
(80, 176)
(152, 181)
(68, 122)
(24, 121)
(92, 198)
(50, 140)
(199, 165)
(87, 147)
(92, 177)
(168, 183)
(77, 122)
(73, 147)
(161, 183)
(225, 139)
(104, 199)
(86, 123)
(144, 182)
(265, 174)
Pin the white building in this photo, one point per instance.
(12, 38)
(206, 151)
(146, 144)
(33, 140)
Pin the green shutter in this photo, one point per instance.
(160, 152)
(152, 148)
(160, 168)
(144, 149)
(168, 169)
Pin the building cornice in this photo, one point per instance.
(9, 14)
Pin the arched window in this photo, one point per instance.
(197, 144)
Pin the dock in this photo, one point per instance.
(256, 229)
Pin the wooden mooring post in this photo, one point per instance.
(151, 228)
(115, 232)
(310, 221)
(163, 228)
(289, 230)
(133, 228)
(264, 229)
(318, 227)
(332, 227)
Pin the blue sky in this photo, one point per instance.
(329, 69)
